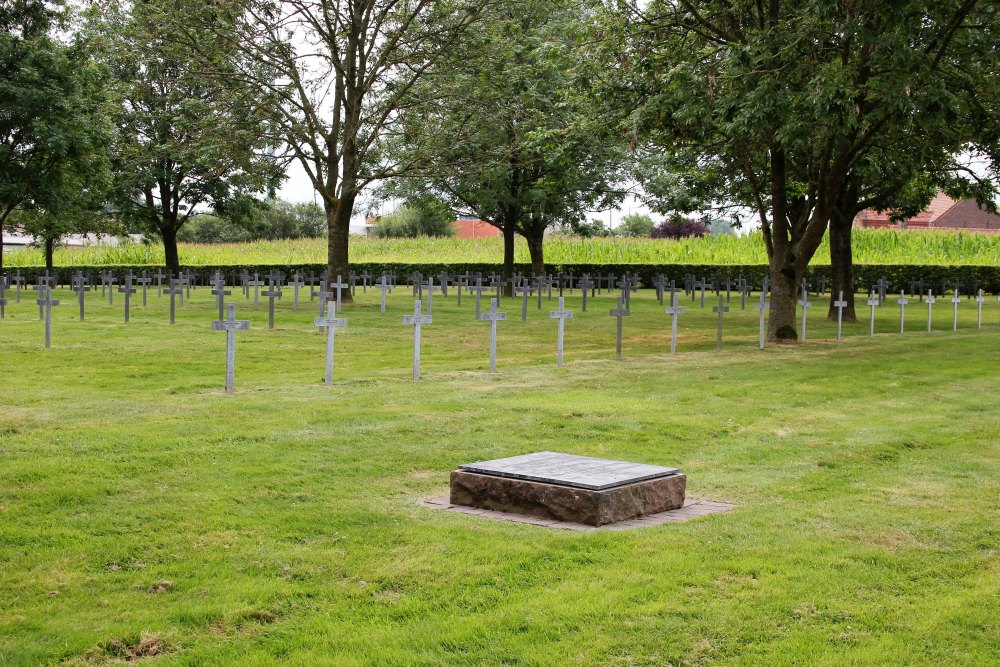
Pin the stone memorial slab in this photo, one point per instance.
(566, 487)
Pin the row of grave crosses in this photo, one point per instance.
(627, 285)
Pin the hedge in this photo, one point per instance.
(898, 275)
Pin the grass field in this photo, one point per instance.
(871, 246)
(146, 515)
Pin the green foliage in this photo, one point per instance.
(206, 228)
(426, 217)
(635, 225)
(53, 127)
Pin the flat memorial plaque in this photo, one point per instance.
(582, 472)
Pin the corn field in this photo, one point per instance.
(870, 247)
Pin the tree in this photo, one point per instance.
(52, 127)
(187, 137)
(679, 228)
(417, 217)
(503, 131)
(345, 69)
(635, 225)
(800, 109)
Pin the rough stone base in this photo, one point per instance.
(565, 503)
(694, 508)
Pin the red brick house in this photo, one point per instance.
(471, 227)
(942, 213)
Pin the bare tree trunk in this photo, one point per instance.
(508, 258)
(49, 252)
(171, 258)
(338, 221)
(535, 249)
(841, 266)
(784, 288)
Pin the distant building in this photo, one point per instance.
(471, 227)
(942, 213)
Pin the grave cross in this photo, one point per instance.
(493, 317)
(331, 322)
(524, 289)
(230, 325)
(762, 307)
(384, 286)
(619, 312)
(144, 281)
(840, 304)
(220, 292)
(173, 290)
(955, 300)
(562, 314)
(720, 309)
(804, 302)
(478, 289)
(18, 282)
(128, 291)
(930, 301)
(659, 282)
(295, 283)
(673, 310)
(273, 292)
(339, 285)
(902, 301)
(39, 286)
(416, 320)
(81, 287)
(256, 284)
(159, 275)
(110, 281)
(584, 288)
(323, 293)
(873, 302)
(46, 301)
(979, 302)
(3, 298)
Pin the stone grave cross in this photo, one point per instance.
(416, 320)
(173, 290)
(804, 303)
(979, 303)
(46, 301)
(3, 297)
(930, 301)
(323, 293)
(873, 303)
(620, 313)
(256, 283)
(144, 281)
(384, 286)
(220, 292)
(673, 310)
(762, 306)
(230, 325)
(128, 291)
(721, 309)
(902, 301)
(295, 283)
(331, 322)
(955, 300)
(81, 287)
(339, 285)
(561, 315)
(273, 292)
(840, 304)
(493, 317)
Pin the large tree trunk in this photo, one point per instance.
(784, 290)
(508, 258)
(171, 258)
(49, 252)
(535, 250)
(338, 222)
(841, 266)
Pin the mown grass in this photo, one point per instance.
(871, 246)
(145, 514)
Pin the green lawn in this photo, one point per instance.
(144, 511)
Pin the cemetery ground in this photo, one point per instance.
(145, 515)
